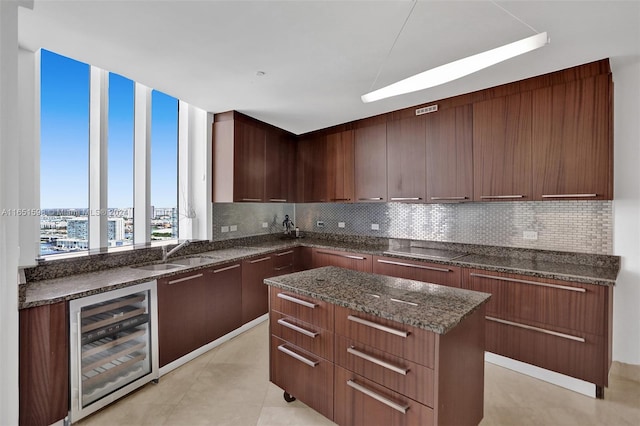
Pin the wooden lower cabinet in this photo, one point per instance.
(362, 402)
(342, 259)
(224, 312)
(417, 270)
(255, 297)
(44, 364)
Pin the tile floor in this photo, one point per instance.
(229, 385)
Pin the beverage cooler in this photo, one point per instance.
(114, 346)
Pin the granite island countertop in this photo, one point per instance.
(427, 306)
(589, 269)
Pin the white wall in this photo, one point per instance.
(626, 208)
(9, 199)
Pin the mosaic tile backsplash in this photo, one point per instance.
(576, 226)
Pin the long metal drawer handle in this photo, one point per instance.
(298, 301)
(486, 197)
(401, 408)
(277, 200)
(341, 199)
(284, 253)
(381, 363)
(378, 326)
(449, 198)
(284, 349)
(541, 330)
(405, 198)
(260, 260)
(179, 280)
(283, 267)
(215, 271)
(569, 195)
(348, 256)
(301, 330)
(410, 265)
(370, 199)
(514, 280)
(252, 199)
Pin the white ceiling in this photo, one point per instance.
(320, 56)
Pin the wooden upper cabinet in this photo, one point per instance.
(502, 161)
(370, 169)
(280, 167)
(249, 163)
(339, 166)
(572, 140)
(406, 164)
(449, 151)
(311, 170)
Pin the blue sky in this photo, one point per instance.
(64, 147)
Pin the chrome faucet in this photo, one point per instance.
(166, 255)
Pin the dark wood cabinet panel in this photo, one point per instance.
(342, 259)
(44, 364)
(182, 302)
(449, 154)
(311, 172)
(371, 163)
(406, 160)
(224, 304)
(303, 258)
(306, 309)
(284, 262)
(279, 167)
(418, 270)
(339, 166)
(306, 336)
(255, 295)
(248, 162)
(502, 159)
(572, 140)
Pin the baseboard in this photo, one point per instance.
(206, 348)
(628, 371)
(567, 382)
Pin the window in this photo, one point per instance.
(64, 153)
(164, 166)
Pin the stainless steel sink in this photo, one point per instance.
(193, 261)
(159, 267)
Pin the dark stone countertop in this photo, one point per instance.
(66, 283)
(427, 306)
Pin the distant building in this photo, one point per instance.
(78, 229)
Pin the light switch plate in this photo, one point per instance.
(265, 224)
(530, 235)
(341, 224)
(224, 229)
(233, 228)
(375, 227)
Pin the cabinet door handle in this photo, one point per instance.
(348, 256)
(297, 301)
(284, 349)
(386, 401)
(378, 326)
(260, 260)
(283, 267)
(341, 199)
(405, 198)
(215, 271)
(410, 265)
(252, 199)
(179, 280)
(381, 363)
(284, 253)
(301, 330)
(488, 197)
(514, 280)
(538, 329)
(449, 198)
(370, 199)
(277, 200)
(569, 195)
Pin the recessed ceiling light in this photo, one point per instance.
(261, 73)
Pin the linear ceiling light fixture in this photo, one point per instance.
(457, 69)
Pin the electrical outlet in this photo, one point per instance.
(233, 228)
(320, 224)
(340, 224)
(224, 229)
(375, 227)
(265, 224)
(530, 235)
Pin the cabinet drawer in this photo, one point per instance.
(397, 339)
(283, 261)
(581, 359)
(562, 305)
(342, 259)
(362, 402)
(304, 375)
(417, 270)
(405, 377)
(306, 336)
(304, 308)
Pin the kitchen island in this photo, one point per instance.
(363, 348)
